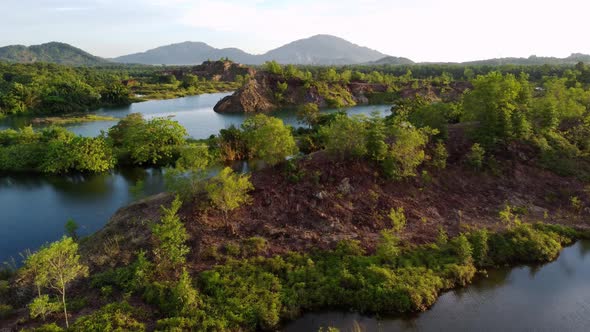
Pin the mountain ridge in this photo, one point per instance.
(316, 50)
(54, 52)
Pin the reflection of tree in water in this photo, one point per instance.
(481, 284)
(22, 181)
(584, 247)
(83, 186)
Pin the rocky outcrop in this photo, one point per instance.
(224, 71)
(252, 97)
(267, 92)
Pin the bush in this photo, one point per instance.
(345, 136)
(112, 317)
(475, 157)
(267, 138)
(406, 153)
(398, 219)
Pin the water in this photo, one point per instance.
(36, 207)
(552, 297)
(195, 113)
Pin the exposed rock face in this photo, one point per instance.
(252, 97)
(263, 94)
(225, 71)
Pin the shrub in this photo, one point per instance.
(398, 219)
(112, 317)
(254, 246)
(170, 236)
(406, 153)
(345, 136)
(267, 138)
(440, 155)
(475, 157)
(42, 306)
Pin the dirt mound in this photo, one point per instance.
(329, 200)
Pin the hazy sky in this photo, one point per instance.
(422, 30)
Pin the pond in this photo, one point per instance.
(36, 207)
(551, 297)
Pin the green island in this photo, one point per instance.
(474, 168)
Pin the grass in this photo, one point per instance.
(70, 119)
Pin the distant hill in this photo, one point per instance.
(187, 53)
(533, 60)
(316, 50)
(392, 60)
(322, 50)
(50, 52)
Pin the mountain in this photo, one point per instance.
(187, 53)
(533, 60)
(50, 52)
(322, 50)
(392, 60)
(316, 50)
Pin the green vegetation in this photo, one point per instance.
(227, 191)
(70, 119)
(257, 293)
(133, 140)
(53, 150)
(268, 139)
(152, 142)
(54, 268)
(51, 89)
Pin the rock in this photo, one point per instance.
(344, 187)
(251, 98)
(223, 71)
(321, 195)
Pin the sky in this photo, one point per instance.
(422, 30)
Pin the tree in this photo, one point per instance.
(388, 248)
(186, 179)
(273, 67)
(345, 136)
(308, 114)
(407, 151)
(476, 155)
(170, 236)
(59, 265)
(42, 306)
(153, 141)
(268, 138)
(497, 102)
(228, 191)
(376, 146)
(398, 219)
(71, 228)
(440, 155)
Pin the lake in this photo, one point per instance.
(551, 297)
(36, 207)
(195, 113)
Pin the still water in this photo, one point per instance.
(195, 113)
(551, 297)
(36, 207)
